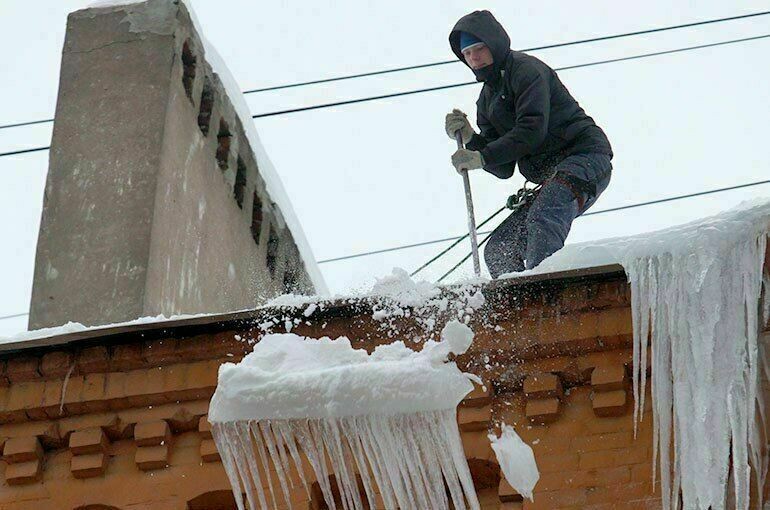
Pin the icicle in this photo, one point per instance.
(410, 456)
(698, 302)
(387, 419)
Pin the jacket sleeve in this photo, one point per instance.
(480, 141)
(532, 92)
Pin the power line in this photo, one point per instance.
(24, 151)
(535, 48)
(12, 316)
(29, 123)
(590, 213)
(453, 61)
(463, 84)
(442, 87)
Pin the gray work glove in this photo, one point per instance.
(464, 159)
(458, 121)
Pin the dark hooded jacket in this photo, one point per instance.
(525, 113)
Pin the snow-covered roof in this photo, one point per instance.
(580, 259)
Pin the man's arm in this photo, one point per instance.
(532, 90)
(479, 142)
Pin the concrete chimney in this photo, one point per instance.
(156, 201)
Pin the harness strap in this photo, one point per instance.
(579, 187)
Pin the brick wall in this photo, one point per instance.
(128, 429)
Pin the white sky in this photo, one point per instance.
(377, 174)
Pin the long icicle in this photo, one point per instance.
(410, 458)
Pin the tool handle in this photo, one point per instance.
(469, 207)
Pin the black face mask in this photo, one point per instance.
(484, 73)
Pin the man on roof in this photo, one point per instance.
(527, 117)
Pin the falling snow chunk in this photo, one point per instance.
(386, 420)
(517, 461)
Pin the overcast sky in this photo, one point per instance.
(375, 175)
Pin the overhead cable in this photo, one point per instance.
(589, 213)
(452, 61)
(467, 83)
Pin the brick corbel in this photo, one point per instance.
(153, 441)
(24, 456)
(208, 450)
(475, 411)
(610, 390)
(89, 452)
(544, 392)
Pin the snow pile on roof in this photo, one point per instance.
(288, 376)
(267, 171)
(391, 414)
(722, 228)
(517, 461)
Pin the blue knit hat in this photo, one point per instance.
(467, 40)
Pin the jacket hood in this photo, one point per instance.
(486, 28)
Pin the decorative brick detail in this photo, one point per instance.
(152, 457)
(543, 385)
(543, 392)
(161, 352)
(610, 390)
(153, 440)
(22, 449)
(22, 369)
(479, 397)
(93, 360)
(127, 357)
(24, 456)
(55, 364)
(209, 452)
(153, 433)
(88, 441)
(23, 473)
(542, 411)
(610, 403)
(88, 466)
(474, 418)
(204, 427)
(608, 377)
(508, 493)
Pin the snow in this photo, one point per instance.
(678, 239)
(695, 292)
(267, 171)
(76, 327)
(516, 460)
(391, 414)
(402, 289)
(288, 376)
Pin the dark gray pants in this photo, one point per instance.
(534, 232)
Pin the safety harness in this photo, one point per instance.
(579, 187)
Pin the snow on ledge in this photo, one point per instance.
(291, 377)
(76, 327)
(723, 228)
